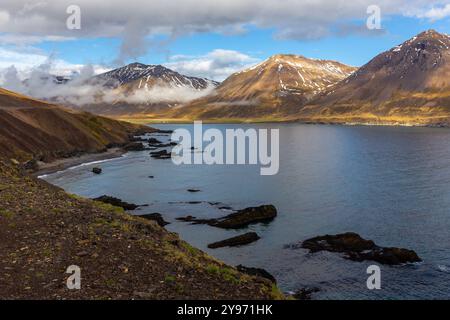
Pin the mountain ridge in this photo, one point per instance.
(273, 87)
(407, 84)
(37, 129)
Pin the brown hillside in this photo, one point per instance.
(408, 84)
(273, 88)
(31, 127)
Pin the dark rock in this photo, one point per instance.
(153, 141)
(256, 272)
(338, 243)
(137, 139)
(186, 219)
(225, 208)
(240, 240)
(162, 154)
(193, 190)
(241, 218)
(97, 170)
(358, 249)
(151, 177)
(31, 165)
(305, 293)
(165, 131)
(194, 220)
(244, 217)
(134, 146)
(155, 217)
(117, 202)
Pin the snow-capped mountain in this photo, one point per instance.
(406, 84)
(138, 89)
(143, 76)
(279, 85)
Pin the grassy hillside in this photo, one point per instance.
(31, 127)
(43, 230)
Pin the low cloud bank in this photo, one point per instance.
(81, 89)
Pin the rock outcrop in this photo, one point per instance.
(357, 248)
(240, 240)
(117, 202)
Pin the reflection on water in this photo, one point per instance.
(391, 185)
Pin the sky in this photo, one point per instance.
(205, 38)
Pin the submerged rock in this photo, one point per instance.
(193, 190)
(116, 202)
(240, 240)
(305, 293)
(162, 154)
(256, 272)
(97, 170)
(357, 248)
(155, 217)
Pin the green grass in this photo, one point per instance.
(169, 278)
(6, 214)
(227, 274)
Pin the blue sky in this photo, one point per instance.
(354, 50)
(207, 38)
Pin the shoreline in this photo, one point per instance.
(110, 245)
(332, 121)
(67, 163)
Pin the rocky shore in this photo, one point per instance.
(44, 230)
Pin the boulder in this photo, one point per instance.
(31, 165)
(305, 293)
(357, 248)
(97, 170)
(193, 190)
(244, 217)
(134, 146)
(153, 141)
(256, 272)
(240, 240)
(116, 202)
(238, 219)
(155, 217)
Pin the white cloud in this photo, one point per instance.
(24, 76)
(435, 13)
(217, 64)
(28, 60)
(135, 21)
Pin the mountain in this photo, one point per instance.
(271, 89)
(408, 84)
(138, 89)
(145, 76)
(33, 128)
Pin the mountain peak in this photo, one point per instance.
(430, 33)
(137, 64)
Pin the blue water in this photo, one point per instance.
(389, 184)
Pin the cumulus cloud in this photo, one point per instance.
(435, 13)
(29, 60)
(136, 22)
(217, 64)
